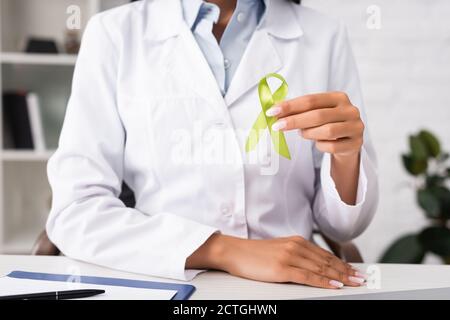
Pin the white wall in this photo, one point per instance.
(405, 71)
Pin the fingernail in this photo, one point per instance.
(360, 275)
(356, 280)
(280, 124)
(336, 284)
(356, 270)
(273, 111)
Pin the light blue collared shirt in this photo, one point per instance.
(224, 57)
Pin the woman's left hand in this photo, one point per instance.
(329, 119)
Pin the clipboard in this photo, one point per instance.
(184, 291)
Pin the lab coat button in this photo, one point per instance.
(227, 63)
(225, 209)
(241, 17)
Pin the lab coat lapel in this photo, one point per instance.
(259, 59)
(182, 58)
(264, 53)
(188, 64)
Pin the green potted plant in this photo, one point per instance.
(428, 164)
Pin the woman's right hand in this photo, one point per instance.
(290, 259)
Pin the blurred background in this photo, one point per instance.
(402, 48)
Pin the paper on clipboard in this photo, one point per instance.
(13, 286)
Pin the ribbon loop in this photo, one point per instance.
(267, 100)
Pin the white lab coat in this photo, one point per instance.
(145, 108)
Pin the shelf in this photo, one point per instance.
(25, 193)
(16, 155)
(38, 59)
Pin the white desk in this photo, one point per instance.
(218, 285)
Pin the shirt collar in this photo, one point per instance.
(160, 27)
(192, 10)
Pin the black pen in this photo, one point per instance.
(56, 295)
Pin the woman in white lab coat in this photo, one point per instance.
(147, 108)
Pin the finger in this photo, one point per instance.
(313, 252)
(329, 257)
(342, 146)
(334, 131)
(328, 260)
(313, 119)
(326, 271)
(309, 278)
(308, 103)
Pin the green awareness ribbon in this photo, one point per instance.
(268, 99)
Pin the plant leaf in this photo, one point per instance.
(429, 202)
(431, 143)
(434, 180)
(414, 166)
(406, 249)
(443, 195)
(436, 240)
(419, 150)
